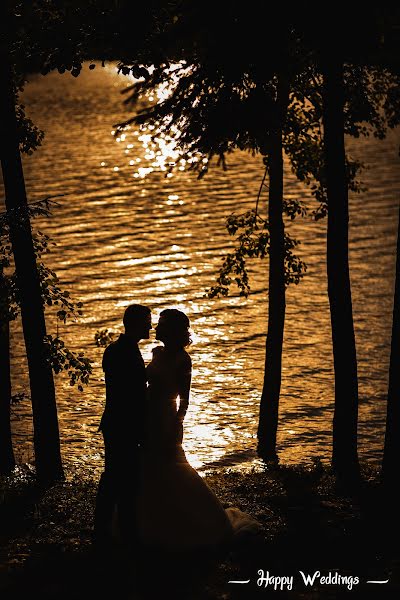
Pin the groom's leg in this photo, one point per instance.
(105, 503)
(128, 490)
(106, 496)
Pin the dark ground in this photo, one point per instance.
(310, 523)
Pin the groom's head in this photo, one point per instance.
(137, 321)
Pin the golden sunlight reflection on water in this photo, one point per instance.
(160, 240)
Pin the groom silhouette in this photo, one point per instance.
(122, 423)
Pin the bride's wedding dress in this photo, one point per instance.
(176, 509)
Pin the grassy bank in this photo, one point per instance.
(309, 523)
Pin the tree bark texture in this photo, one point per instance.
(391, 453)
(46, 434)
(269, 405)
(7, 460)
(344, 453)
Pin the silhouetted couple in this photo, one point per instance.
(148, 493)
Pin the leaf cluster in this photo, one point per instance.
(253, 241)
(104, 337)
(60, 358)
(53, 295)
(45, 35)
(222, 93)
(19, 397)
(30, 137)
(15, 400)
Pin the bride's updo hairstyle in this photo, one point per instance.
(173, 328)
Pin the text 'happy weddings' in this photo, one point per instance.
(266, 579)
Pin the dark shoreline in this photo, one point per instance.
(311, 523)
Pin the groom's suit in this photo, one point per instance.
(125, 376)
(122, 425)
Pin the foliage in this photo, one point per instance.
(61, 358)
(104, 337)
(45, 35)
(222, 96)
(17, 398)
(52, 294)
(30, 137)
(303, 144)
(253, 242)
(78, 367)
(42, 36)
(59, 517)
(300, 508)
(57, 35)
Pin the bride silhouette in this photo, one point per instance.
(175, 508)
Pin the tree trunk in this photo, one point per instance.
(7, 461)
(391, 453)
(46, 435)
(269, 405)
(344, 455)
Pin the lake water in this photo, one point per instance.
(122, 238)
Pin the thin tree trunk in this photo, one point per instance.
(46, 434)
(344, 455)
(269, 405)
(391, 453)
(7, 460)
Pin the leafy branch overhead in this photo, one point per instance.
(253, 241)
